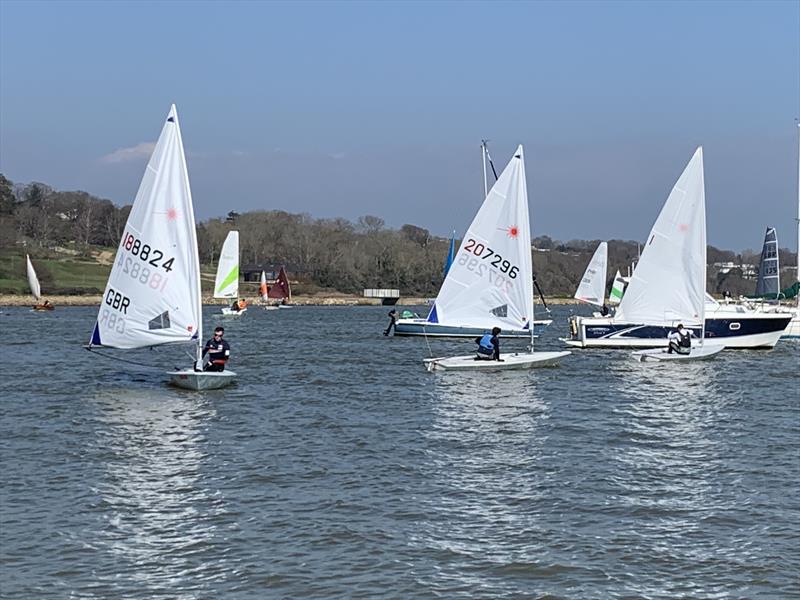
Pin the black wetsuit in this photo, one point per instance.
(392, 319)
(218, 354)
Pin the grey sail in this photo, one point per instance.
(769, 284)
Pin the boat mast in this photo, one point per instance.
(193, 242)
(483, 158)
(797, 297)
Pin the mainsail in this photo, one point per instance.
(491, 281)
(769, 278)
(226, 284)
(668, 284)
(451, 254)
(33, 281)
(617, 288)
(262, 287)
(592, 288)
(280, 289)
(153, 292)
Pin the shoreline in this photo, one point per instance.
(301, 300)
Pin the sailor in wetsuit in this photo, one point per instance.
(680, 341)
(219, 351)
(489, 346)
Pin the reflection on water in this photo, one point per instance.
(485, 473)
(339, 468)
(160, 518)
(669, 467)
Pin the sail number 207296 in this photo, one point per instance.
(480, 259)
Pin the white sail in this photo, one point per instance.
(263, 289)
(33, 281)
(668, 284)
(153, 293)
(226, 284)
(617, 288)
(490, 283)
(592, 288)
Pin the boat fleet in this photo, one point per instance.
(153, 293)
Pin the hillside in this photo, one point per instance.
(72, 238)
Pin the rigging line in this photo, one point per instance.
(491, 162)
(425, 333)
(541, 295)
(124, 360)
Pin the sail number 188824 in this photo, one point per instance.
(146, 253)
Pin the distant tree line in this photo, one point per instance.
(334, 254)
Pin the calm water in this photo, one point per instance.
(339, 468)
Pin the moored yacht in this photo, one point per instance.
(736, 325)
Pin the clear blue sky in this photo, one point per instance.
(352, 108)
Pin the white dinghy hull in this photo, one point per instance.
(704, 352)
(199, 381)
(509, 362)
(229, 312)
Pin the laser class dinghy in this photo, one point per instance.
(491, 281)
(668, 286)
(445, 323)
(153, 292)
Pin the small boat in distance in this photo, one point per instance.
(153, 292)
(491, 281)
(263, 291)
(226, 283)
(36, 289)
(617, 289)
(592, 288)
(281, 290)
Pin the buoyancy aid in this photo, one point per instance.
(685, 340)
(485, 345)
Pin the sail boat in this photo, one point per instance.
(281, 290)
(491, 282)
(433, 325)
(36, 289)
(668, 285)
(768, 285)
(153, 292)
(592, 288)
(662, 295)
(617, 288)
(226, 283)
